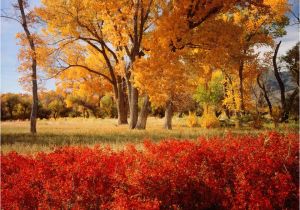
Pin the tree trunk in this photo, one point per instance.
(34, 110)
(168, 116)
(241, 69)
(122, 103)
(134, 109)
(132, 102)
(265, 93)
(284, 116)
(142, 120)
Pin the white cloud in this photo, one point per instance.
(289, 40)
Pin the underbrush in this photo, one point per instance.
(232, 172)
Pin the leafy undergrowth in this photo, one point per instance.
(220, 173)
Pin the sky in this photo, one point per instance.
(9, 49)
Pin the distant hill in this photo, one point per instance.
(273, 86)
(287, 79)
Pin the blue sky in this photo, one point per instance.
(9, 50)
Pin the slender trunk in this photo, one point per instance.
(34, 109)
(241, 69)
(10, 110)
(134, 109)
(142, 120)
(121, 103)
(284, 116)
(265, 93)
(268, 102)
(168, 116)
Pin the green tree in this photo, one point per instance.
(9, 103)
(211, 92)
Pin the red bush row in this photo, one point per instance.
(219, 173)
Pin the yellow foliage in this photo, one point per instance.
(232, 100)
(107, 37)
(209, 119)
(192, 120)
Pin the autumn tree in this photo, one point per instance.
(9, 103)
(115, 40)
(15, 106)
(113, 31)
(82, 88)
(23, 108)
(186, 25)
(164, 78)
(28, 54)
(259, 28)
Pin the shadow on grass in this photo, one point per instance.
(111, 138)
(60, 139)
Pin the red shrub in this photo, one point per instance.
(220, 173)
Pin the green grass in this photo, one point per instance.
(89, 132)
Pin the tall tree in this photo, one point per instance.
(280, 83)
(291, 59)
(259, 28)
(113, 30)
(26, 18)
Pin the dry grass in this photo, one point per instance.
(89, 132)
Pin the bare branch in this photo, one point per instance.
(11, 18)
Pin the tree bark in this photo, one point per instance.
(241, 69)
(142, 120)
(132, 100)
(263, 88)
(134, 109)
(34, 109)
(122, 103)
(168, 116)
(284, 116)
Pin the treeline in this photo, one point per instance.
(53, 105)
(17, 106)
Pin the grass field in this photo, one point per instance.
(89, 132)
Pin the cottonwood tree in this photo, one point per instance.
(259, 26)
(114, 32)
(29, 41)
(184, 25)
(117, 34)
(82, 88)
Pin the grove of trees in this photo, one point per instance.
(133, 58)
